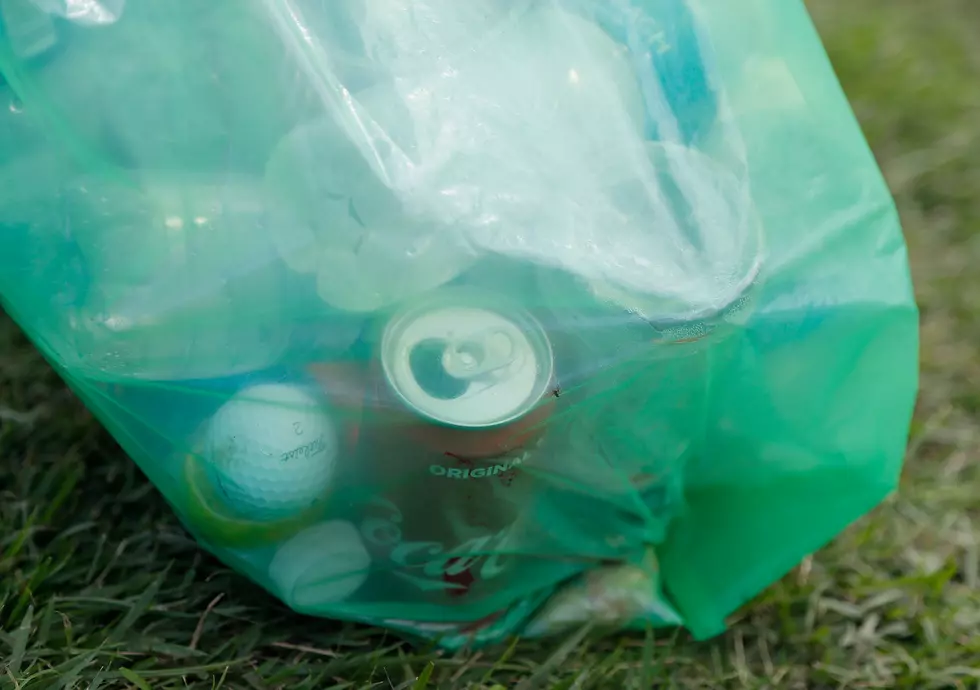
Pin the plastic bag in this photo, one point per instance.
(466, 318)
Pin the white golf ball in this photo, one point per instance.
(272, 451)
(322, 564)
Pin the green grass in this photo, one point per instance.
(100, 588)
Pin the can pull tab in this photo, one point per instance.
(478, 354)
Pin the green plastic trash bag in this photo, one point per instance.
(467, 319)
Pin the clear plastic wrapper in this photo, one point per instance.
(469, 319)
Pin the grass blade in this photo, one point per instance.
(134, 678)
(555, 660)
(422, 681)
(21, 636)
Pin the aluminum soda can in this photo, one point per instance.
(462, 394)
(472, 378)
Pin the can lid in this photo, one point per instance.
(463, 363)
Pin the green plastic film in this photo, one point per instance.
(466, 319)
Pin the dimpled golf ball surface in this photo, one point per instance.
(324, 563)
(272, 450)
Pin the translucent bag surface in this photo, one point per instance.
(468, 319)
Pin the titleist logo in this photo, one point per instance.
(307, 450)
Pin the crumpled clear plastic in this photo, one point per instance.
(473, 148)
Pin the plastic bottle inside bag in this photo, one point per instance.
(532, 144)
(336, 219)
(183, 279)
(487, 147)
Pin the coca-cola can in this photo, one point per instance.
(463, 390)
